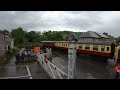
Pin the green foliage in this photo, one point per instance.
(117, 40)
(13, 51)
(8, 55)
(20, 35)
(24, 38)
(55, 36)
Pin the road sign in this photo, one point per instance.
(37, 49)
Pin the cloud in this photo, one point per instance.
(99, 21)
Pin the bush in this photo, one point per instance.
(8, 55)
(2, 59)
(5, 58)
(13, 51)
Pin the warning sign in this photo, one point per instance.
(37, 49)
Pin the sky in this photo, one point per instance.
(78, 21)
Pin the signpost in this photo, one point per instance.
(36, 49)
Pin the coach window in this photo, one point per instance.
(80, 46)
(65, 45)
(95, 48)
(107, 48)
(87, 46)
(102, 48)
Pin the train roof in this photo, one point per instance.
(97, 43)
(56, 41)
(47, 41)
(80, 42)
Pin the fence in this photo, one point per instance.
(53, 71)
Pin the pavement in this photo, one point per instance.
(15, 70)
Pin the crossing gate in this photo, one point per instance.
(53, 71)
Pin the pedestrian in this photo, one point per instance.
(25, 58)
(22, 56)
(17, 58)
(29, 53)
(117, 69)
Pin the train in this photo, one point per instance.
(102, 48)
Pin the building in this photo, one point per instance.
(5, 41)
(91, 36)
(110, 37)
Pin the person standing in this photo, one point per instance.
(25, 58)
(117, 67)
(17, 58)
(22, 56)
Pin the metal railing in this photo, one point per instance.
(53, 71)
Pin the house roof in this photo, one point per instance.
(91, 34)
(5, 32)
(102, 35)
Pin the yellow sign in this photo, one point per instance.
(116, 56)
(37, 49)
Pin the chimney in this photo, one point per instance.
(105, 33)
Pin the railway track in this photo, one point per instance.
(99, 68)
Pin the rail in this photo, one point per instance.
(53, 71)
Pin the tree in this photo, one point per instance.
(23, 38)
(117, 40)
(19, 35)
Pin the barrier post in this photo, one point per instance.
(71, 61)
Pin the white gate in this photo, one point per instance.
(53, 71)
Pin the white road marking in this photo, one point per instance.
(29, 74)
(15, 77)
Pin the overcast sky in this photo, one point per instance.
(99, 21)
